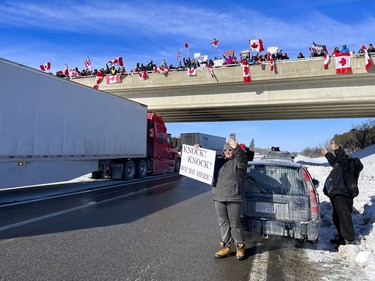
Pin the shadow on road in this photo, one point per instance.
(95, 211)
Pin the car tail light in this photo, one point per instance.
(313, 196)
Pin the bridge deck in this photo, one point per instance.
(295, 90)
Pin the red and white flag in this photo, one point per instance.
(178, 55)
(368, 62)
(326, 59)
(187, 45)
(117, 61)
(192, 72)
(245, 71)
(98, 79)
(46, 66)
(143, 75)
(161, 70)
(272, 61)
(87, 63)
(64, 71)
(211, 70)
(256, 45)
(215, 43)
(113, 79)
(343, 65)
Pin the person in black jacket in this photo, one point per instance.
(340, 196)
(227, 191)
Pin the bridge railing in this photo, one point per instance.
(284, 69)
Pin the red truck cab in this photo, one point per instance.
(162, 156)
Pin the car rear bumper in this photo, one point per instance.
(307, 230)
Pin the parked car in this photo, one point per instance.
(279, 156)
(281, 199)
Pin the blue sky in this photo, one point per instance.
(67, 32)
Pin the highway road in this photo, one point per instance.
(155, 229)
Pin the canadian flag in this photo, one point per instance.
(87, 63)
(143, 75)
(256, 45)
(245, 71)
(117, 61)
(46, 66)
(161, 70)
(211, 70)
(343, 65)
(215, 43)
(178, 55)
(326, 59)
(113, 79)
(368, 62)
(272, 61)
(98, 79)
(192, 72)
(64, 72)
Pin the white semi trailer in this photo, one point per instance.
(204, 140)
(53, 129)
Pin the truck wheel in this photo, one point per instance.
(177, 165)
(129, 170)
(142, 169)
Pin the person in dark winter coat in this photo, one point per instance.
(341, 198)
(228, 187)
(249, 153)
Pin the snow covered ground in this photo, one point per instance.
(351, 262)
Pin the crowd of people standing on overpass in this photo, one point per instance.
(231, 60)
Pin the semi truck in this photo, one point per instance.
(54, 129)
(204, 140)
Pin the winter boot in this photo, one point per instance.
(224, 251)
(337, 240)
(240, 251)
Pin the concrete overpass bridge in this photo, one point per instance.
(300, 89)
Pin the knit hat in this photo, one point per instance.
(227, 147)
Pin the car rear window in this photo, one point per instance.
(279, 155)
(275, 180)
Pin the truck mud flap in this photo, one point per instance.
(117, 170)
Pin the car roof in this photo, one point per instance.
(278, 152)
(275, 163)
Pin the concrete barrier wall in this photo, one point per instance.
(285, 69)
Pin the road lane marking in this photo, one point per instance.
(259, 266)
